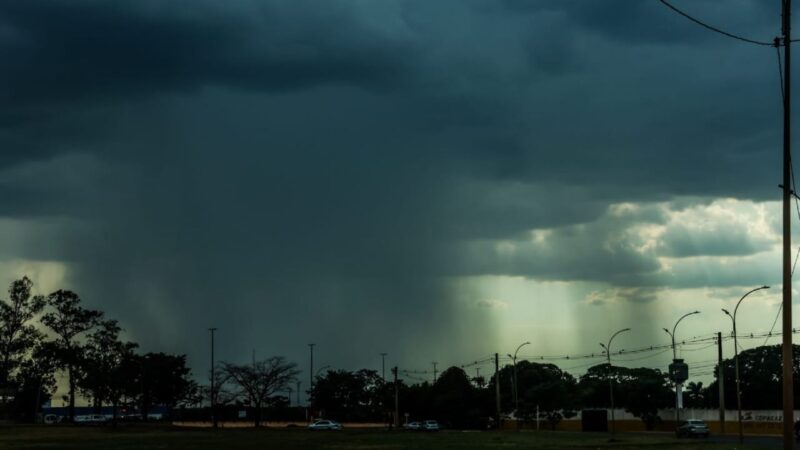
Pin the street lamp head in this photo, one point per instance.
(602, 345)
(726, 311)
(696, 312)
(666, 330)
(765, 287)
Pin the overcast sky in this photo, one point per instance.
(439, 180)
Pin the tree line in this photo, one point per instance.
(461, 401)
(42, 336)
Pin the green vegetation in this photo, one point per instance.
(140, 438)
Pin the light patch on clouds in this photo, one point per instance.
(492, 304)
(639, 247)
(726, 227)
(47, 276)
(621, 294)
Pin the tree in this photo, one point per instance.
(109, 366)
(695, 395)
(222, 393)
(641, 391)
(349, 396)
(506, 376)
(455, 400)
(68, 320)
(257, 382)
(760, 374)
(163, 380)
(644, 391)
(548, 389)
(17, 335)
(35, 381)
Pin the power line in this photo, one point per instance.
(644, 357)
(695, 341)
(698, 349)
(713, 28)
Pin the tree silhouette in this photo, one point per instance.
(760, 374)
(547, 388)
(162, 379)
(18, 335)
(641, 391)
(349, 396)
(108, 366)
(695, 395)
(455, 400)
(36, 380)
(68, 320)
(257, 382)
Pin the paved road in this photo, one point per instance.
(760, 441)
(755, 441)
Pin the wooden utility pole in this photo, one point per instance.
(788, 394)
(721, 382)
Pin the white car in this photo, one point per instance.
(431, 425)
(325, 425)
(413, 426)
(91, 419)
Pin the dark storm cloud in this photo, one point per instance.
(635, 22)
(295, 171)
(63, 50)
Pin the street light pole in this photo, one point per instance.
(736, 358)
(675, 360)
(310, 378)
(610, 383)
(515, 381)
(383, 366)
(213, 393)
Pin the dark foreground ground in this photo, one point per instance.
(141, 437)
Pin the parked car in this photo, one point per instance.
(431, 425)
(91, 419)
(325, 425)
(413, 426)
(692, 428)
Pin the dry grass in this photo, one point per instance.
(173, 438)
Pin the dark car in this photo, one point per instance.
(692, 428)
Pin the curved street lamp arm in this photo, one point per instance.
(679, 321)
(520, 346)
(674, 354)
(615, 335)
(743, 297)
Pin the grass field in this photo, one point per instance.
(129, 438)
